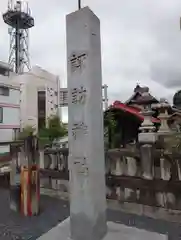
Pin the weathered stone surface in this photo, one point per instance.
(146, 151)
(96, 227)
(119, 231)
(115, 232)
(86, 144)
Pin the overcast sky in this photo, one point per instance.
(141, 42)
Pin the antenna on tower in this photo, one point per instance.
(19, 19)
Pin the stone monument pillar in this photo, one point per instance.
(85, 127)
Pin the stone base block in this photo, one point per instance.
(115, 231)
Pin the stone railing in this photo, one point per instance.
(132, 186)
(139, 180)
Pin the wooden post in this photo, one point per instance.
(15, 195)
(30, 183)
(79, 4)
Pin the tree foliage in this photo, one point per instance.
(172, 142)
(109, 129)
(27, 131)
(55, 129)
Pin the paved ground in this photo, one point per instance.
(115, 231)
(53, 211)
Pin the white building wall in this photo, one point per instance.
(31, 82)
(11, 117)
(10, 113)
(6, 135)
(51, 101)
(4, 149)
(28, 105)
(20, 108)
(13, 98)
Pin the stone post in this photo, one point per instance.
(53, 165)
(131, 194)
(62, 162)
(146, 151)
(20, 158)
(119, 171)
(119, 167)
(147, 139)
(42, 159)
(163, 133)
(85, 127)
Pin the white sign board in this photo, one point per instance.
(63, 101)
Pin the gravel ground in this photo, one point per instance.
(13, 226)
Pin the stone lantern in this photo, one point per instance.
(166, 138)
(147, 125)
(163, 106)
(146, 137)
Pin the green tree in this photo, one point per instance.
(55, 129)
(172, 142)
(27, 131)
(109, 129)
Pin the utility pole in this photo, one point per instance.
(79, 4)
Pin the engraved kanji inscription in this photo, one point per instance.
(77, 62)
(80, 164)
(78, 128)
(50, 91)
(79, 95)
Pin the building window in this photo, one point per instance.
(41, 109)
(1, 115)
(4, 91)
(16, 133)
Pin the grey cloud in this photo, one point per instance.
(165, 68)
(168, 75)
(141, 42)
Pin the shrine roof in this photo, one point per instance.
(141, 95)
(175, 110)
(175, 114)
(131, 110)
